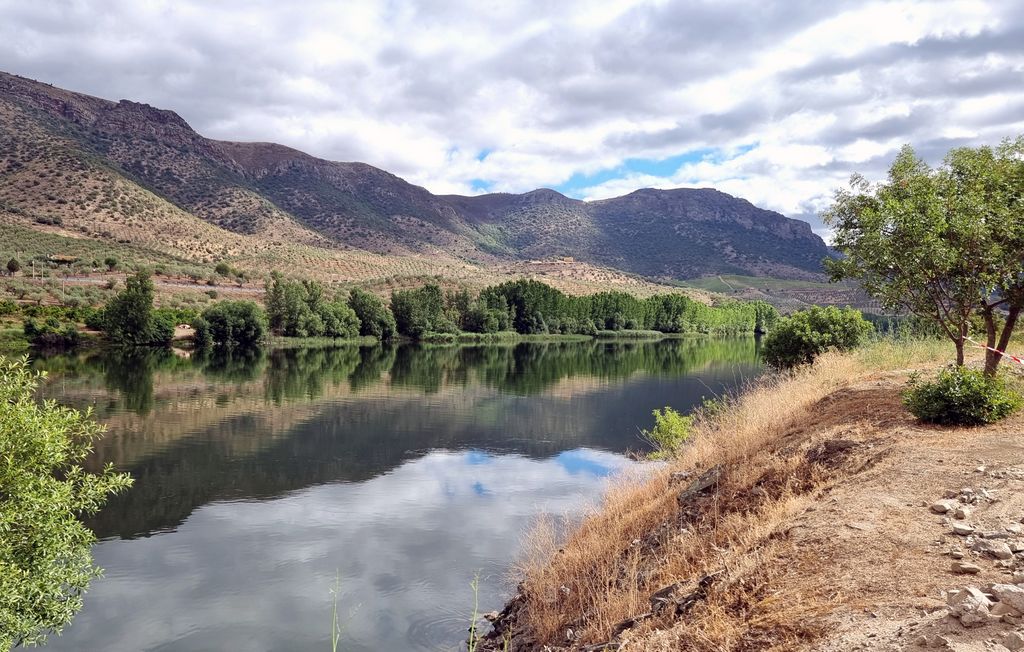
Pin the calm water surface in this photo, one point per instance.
(401, 472)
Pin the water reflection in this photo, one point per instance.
(405, 469)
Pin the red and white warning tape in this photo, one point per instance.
(1018, 360)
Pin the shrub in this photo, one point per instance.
(801, 337)
(960, 396)
(231, 324)
(671, 430)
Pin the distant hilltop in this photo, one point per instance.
(93, 163)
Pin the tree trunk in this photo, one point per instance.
(959, 351)
(991, 357)
(991, 365)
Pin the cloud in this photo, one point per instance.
(556, 92)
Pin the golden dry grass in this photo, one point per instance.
(770, 445)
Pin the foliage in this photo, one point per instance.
(961, 396)
(942, 243)
(13, 266)
(801, 337)
(301, 309)
(111, 262)
(231, 324)
(45, 560)
(671, 430)
(51, 334)
(374, 317)
(129, 317)
(421, 311)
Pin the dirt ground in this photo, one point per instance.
(875, 547)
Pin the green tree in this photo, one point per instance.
(13, 266)
(45, 559)
(374, 317)
(129, 317)
(231, 324)
(944, 244)
(801, 337)
(421, 311)
(223, 269)
(111, 263)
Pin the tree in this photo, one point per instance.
(302, 309)
(129, 317)
(374, 317)
(421, 311)
(223, 269)
(45, 559)
(13, 266)
(943, 244)
(111, 263)
(231, 324)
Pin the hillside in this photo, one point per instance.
(137, 174)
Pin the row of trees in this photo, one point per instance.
(532, 307)
(305, 308)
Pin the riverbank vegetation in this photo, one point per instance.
(45, 558)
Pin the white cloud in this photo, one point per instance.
(555, 89)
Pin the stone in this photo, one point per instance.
(1003, 609)
(961, 513)
(970, 606)
(1018, 577)
(994, 534)
(943, 506)
(1014, 641)
(1009, 594)
(1017, 545)
(1014, 528)
(965, 568)
(997, 549)
(956, 554)
(962, 529)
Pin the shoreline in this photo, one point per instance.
(804, 502)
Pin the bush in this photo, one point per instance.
(801, 337)
(671, 430)
(231, 324)
(962, 397)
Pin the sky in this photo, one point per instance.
(778, 102)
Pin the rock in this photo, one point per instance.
(702, 483)
(1018, 577)
(679, 477)
(965, 568)
(1003, 609)
(962, 529)
(1014, 641)
(943, 506)
(961, 513)
(994, 534)
(491, 616)
(1017, 545)
(1009, 594)
(996, 549)
(956, 554)
(970, 606)
(1014, 528)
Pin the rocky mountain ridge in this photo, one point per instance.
(266, 188)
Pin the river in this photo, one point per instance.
(264, 481)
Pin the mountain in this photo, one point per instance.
(134, 173)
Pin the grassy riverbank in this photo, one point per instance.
(790, 510)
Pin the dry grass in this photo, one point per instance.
(770, 447)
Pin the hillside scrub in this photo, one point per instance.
(803, 336)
